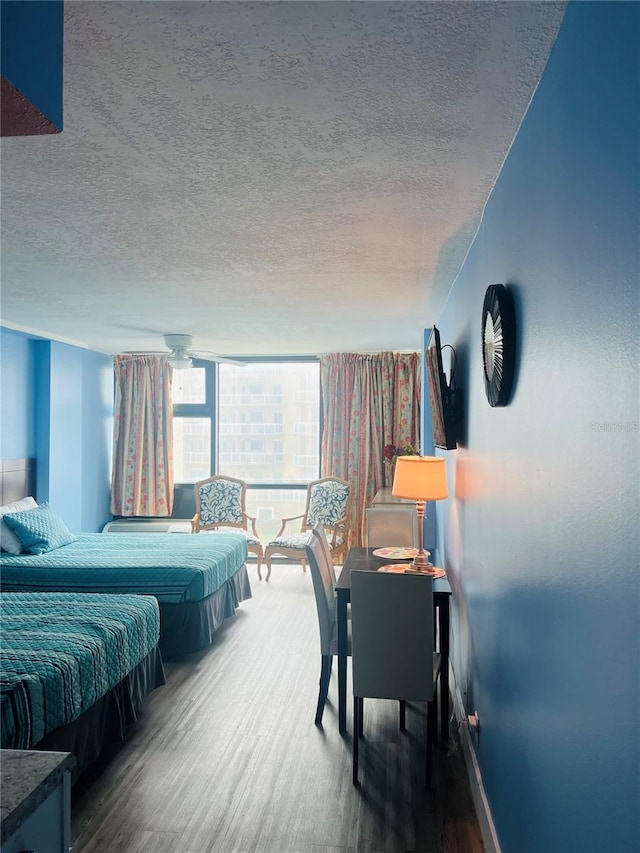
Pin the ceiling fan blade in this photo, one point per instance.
(221, 359)
(180, 353)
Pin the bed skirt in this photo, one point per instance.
(105, 723)
(189, 627)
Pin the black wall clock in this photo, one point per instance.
(498, 344)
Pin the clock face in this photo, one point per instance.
(492, 346)
(498, 344)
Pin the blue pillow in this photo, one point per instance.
(39, 530)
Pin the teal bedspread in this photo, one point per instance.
(174, 567)
(61, 652)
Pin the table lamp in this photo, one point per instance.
(420, 478)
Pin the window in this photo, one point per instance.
(274, 397)
(192, 396)
(189, 386)
(260, 423)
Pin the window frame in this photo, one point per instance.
(210, 409)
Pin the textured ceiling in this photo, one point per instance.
(272, 178)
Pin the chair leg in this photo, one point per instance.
(431, 719)
(259, 557)
(360, 718)
(358, 704)
(403, 715)
(325, 677)
(267, 560)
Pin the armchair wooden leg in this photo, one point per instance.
(259, 558)
(325, 677)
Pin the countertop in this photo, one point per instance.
(27, 777)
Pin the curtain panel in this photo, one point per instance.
(142, 478)
(368, 401)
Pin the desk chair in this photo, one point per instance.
(323, 577)
(389, 527)
(220, 505)
(392, 652)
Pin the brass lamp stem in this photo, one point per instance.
(421, 560)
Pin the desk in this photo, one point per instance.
(363, 559)
(384, 497)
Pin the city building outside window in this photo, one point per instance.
(260, 423)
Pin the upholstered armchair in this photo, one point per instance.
(328, 504)
(220, 505)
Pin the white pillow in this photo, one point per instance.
(8, 539)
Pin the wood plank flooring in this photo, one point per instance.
(225, 758)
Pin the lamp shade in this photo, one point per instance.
(420, 478)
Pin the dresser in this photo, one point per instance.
(383, 501)
(35, 801)
(391, 521)
(383, 498)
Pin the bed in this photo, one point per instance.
(198, 581)
(74, 669)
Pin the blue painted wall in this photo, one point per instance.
(97, 439)
(17, 396)
(541, 534)
(57, 405)
(31, 58)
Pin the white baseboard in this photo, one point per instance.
(483, 812)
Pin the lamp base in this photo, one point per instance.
(421, 560)
(424, 568)
(429, 571)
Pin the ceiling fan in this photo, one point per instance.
(181, 355)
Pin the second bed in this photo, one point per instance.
(198, 581)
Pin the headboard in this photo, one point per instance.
(17, 479)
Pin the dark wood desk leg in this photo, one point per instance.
(341, 614)
(443, 630)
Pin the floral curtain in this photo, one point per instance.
(369, 401)
(142, 479)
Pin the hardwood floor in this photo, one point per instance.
(226, 758)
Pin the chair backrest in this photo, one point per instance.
(328, 501)
(392, 526)
(392, 641)
(326, 550)
(322, 576)
(221, 500)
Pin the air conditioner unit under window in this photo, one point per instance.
(134, 525)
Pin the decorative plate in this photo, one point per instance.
(395, 568)
(397, 553)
